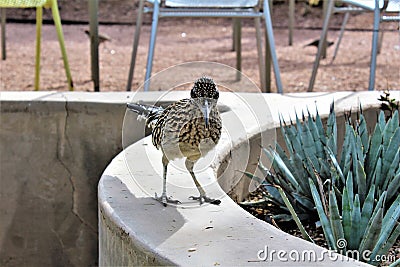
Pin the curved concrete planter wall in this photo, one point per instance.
(134, 229)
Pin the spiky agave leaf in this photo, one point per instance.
(355, 235)
(394, 264)
(395, 165)
(374, 226)
(304, 201)
(267, 187)
(320, 128)
(359, 149)
(390, 127)
(350, 189)
(390, 151)
(301, 174)
(322, 216)
(335, 164)
(346, 215)
(374, 151)
(294, 164)
(334, 217)
(264, 170)
(367, 209)
(295, 217)
(281, 167)
(286, 134)
(372, 232)
(363, 133)
(381, 120)
(377, 178)
(308, 143)
(394, 186)
(388, 225)
(390, 242)
(312, 126)
(361, 181)
(331, 130)
(347, 150)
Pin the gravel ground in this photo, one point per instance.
(187, 40)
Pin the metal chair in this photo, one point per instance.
(237, 9)
(355, 6)
(39, 4)
(393, 6)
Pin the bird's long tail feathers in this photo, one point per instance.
(148, 112)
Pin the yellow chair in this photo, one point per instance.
(39, 4)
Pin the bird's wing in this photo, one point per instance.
(164, 116)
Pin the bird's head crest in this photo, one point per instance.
(204, 87)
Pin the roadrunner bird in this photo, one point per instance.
(102, 37)
(188, 128)
(316, 43)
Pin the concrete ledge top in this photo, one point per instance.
(290, 101)
(286, 104)
(189, 234)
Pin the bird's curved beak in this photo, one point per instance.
(206, 111)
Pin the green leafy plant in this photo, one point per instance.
(388, 105)
(355, 195)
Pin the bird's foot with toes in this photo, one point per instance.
(206, 199)
(163, 199)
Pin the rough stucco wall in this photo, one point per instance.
(52, 156)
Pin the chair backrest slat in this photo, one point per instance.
(393, 6)
(212, 3)
(22, 3)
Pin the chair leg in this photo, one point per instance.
(342, 28)
(39, 16)
(135, 45)
(94, 43)
(374, 50)
(234, 31)
(325, 5)
(238, 47)
(271, 41)
(3, 34)
(233, 34)
(57, 22)
(321, 44)
(380, 41)
(291, 20)
(153, 36)
(267, 64)
(260, 54)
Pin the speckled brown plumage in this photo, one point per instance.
(183, 122)
(188, 128)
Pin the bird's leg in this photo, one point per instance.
(163, 198)
(189, 166)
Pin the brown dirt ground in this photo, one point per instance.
(206, 39)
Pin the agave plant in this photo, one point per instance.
(310, 149)
(365, 179)
(348, 227)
